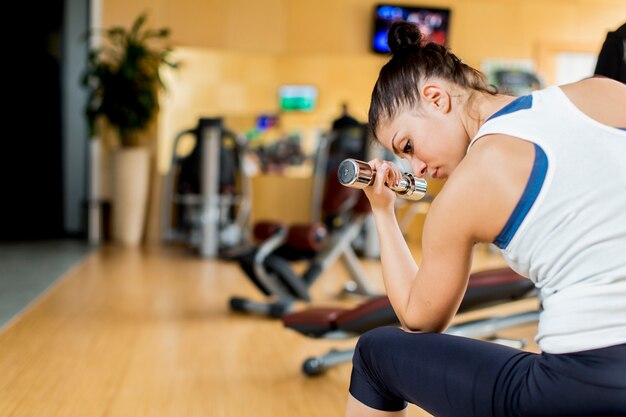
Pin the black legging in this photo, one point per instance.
(462, 377)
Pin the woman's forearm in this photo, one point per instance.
(399, 267)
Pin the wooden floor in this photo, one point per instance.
(148, 333)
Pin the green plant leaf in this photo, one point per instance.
(123, 77)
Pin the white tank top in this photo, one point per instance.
(568, 231)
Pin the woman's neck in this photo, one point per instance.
(478, 107)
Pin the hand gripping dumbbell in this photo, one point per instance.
(358, 174)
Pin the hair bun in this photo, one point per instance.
(402, 35)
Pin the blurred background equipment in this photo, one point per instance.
(516, 82)
(206, 203)
(337, 222)
(612, 58)
(516, 77)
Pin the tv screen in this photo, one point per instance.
(297, 97)
(432, 22)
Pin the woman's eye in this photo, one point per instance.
(407, 147)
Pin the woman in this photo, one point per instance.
(544, 178)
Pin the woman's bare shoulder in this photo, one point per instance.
(594, 83)
(602, 99)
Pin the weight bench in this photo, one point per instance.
(269, 265)
(485, 288)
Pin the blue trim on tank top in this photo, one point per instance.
(520, 103)
(622, 128)
(533, 187)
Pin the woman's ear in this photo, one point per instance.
(436, 97)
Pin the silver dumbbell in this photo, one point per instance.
(358, 174)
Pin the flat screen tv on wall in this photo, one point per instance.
(433, 23)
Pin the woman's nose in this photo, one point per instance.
(419, 168)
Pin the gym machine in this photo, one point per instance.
(206, 202)
(339, 216)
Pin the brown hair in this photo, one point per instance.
(412, 60)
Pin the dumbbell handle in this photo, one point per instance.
(358, 174)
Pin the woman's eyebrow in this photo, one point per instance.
(393, 145)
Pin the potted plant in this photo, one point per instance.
(124, 79)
